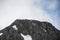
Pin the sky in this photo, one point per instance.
(42, 10)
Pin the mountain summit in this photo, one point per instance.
(36, 29)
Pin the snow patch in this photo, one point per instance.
(15, 27)
(1, 34)
(27, 37)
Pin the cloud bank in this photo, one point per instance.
(27, 9)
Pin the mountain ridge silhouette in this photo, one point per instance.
(36, 29)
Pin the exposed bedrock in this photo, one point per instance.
(36, 29)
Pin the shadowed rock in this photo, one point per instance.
(36, 29)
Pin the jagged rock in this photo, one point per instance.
(36, 29)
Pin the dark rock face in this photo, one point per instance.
(36, 29)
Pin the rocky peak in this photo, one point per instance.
(36, 29)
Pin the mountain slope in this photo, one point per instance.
(36, 29)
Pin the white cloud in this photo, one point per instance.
(21, 9)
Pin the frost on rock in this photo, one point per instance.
(29, 30)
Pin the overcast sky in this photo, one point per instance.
(42, 10)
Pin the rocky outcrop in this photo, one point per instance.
(36, 29)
